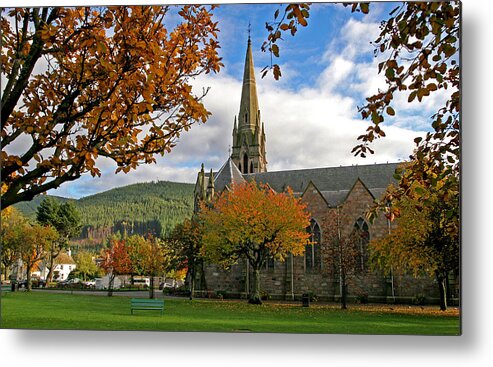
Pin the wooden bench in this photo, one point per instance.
(146, 304)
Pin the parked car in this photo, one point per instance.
(70, 283)
(38, 283)
(89, 283)
(163, 285)
(141, 282)
(35, 283)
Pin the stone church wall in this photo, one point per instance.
(290, 279)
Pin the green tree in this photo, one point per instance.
(256, 223)
(116, 84)
(86, 265)
(65, 219)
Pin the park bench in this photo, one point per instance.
(146, 304)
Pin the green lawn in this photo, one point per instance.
(38, 310)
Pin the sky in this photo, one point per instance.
(310, 114)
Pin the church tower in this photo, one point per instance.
(248, 150)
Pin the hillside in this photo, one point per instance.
(152, 207)
(28, 208)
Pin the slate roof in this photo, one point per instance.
(334, 183)
(228, 174)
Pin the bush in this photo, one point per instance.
(264, 296)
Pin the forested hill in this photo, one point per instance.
(152, 207)
(28, 208)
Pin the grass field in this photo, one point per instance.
(38, 310)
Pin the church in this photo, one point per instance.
(345, 191)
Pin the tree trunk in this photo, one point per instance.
(5, 273)
(192, 282)
(448, 288)
(28, 278)
(442, 288)
(343, 292)
(53, 256)
(49, 277)
(255, 294)
(151, 288)
(110, 285)
(203, 280)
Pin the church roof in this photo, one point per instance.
(228, 174)
(334, 183)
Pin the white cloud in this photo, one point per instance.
(337, 72)
(314, 126)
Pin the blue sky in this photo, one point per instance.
(310, 115)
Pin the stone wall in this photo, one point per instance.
(286, 284)
(290, 279)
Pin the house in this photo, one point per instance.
(64, 265)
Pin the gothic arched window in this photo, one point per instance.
(270, 263)
(245, 163)
(313, 258)
(362, 239)
(251, 167)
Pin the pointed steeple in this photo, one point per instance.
(249, 101)
(248, 153)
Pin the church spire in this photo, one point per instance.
(248, 138)
(249, 102)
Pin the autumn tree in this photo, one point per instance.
(33, 242)
(11, 221)
(418, 46)
(151, 258)
(160, 259)
(135, 244)
(186, 238)
(90, 82)
(425, 240)
(343, 254)
(116, 261)
(254, 222)
(65, 219)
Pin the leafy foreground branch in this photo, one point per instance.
(84, 83)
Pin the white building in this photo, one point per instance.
(64, 264)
